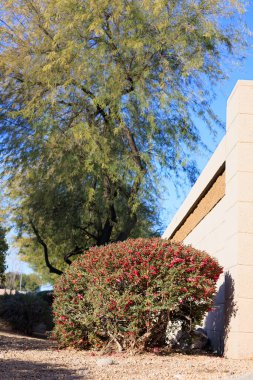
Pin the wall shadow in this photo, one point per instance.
(217, 322)
(230, 309)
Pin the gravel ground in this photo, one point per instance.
(30, 358)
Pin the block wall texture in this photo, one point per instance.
(223, 226)
(208, 236)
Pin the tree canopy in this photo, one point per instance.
(97, 98)
(24, 282)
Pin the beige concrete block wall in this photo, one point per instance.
(239, 218)
(209, 236)
(226, 232)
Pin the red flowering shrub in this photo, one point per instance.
(125, 293)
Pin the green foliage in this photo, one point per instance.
(97, 97)
(124, 294)
(24, 311)
(46, 296)
(62, 226)
(11, 280)
(29, 282)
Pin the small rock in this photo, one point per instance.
(104, 361)
(199, 339)
(82, 372)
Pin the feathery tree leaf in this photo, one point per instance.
(97, 98)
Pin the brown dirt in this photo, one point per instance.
(30, 358)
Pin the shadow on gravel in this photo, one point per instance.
(14, 369)
(14, 342)
(17, 369)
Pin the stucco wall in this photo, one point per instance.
(208, 236)
(226, 231)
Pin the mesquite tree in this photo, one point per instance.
(97, 97)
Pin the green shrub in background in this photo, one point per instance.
(24, 311)
(46, 295)
(124, 294)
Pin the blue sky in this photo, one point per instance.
(172, 201)
(242, 71)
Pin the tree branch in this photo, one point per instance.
(112, 218)
(51, 268)
(92, 236)
(124, 234)
(76, 251)
(100, 110)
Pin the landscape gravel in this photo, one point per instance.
(30, 358)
